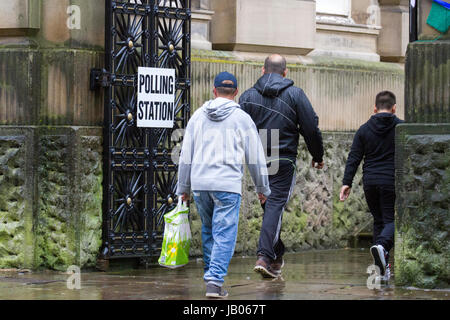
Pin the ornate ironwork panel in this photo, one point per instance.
(140, 177)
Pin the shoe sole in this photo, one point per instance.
(377, 258)
(216, 295)
(264, 272)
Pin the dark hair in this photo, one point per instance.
(385, 100)
(275, 64)
(225, 91)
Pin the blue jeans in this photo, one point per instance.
(219, 212)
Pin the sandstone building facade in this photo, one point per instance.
(341, 52)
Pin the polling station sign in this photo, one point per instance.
(156, 98)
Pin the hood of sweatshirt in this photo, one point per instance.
(382, 123)
(272, 84)
(219, 109)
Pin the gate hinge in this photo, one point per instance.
(100, 78)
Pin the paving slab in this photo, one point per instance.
(317, 275)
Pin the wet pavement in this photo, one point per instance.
(329, 274)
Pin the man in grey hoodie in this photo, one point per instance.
(218, 139)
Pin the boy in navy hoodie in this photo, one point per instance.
(374, 141)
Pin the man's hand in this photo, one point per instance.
(317, 165)
(262, 198)
(345, 192)
(185, 197)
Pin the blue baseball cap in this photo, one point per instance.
(225, 80)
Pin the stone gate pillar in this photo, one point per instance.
(422, 242)
(50, 133)
(201, 24)
(264, 26)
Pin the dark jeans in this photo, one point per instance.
(270, 244)
(381, 202)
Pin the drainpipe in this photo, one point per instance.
(413, 4)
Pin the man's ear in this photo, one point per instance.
(285, 72)
(235, 93)
(215, 92)
(263, 70)
(375, 110)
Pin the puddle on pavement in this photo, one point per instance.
(328, 274)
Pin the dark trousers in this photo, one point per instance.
(270, 244)
(381, 202)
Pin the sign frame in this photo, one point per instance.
(156, 91)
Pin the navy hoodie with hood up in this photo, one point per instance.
(274, 103)
(375, 142)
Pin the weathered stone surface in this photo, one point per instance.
(51, 201)
(340, 105)
(70, 197)
(55, 233)
(65, 95)
(256, 25)
(422, 249)
(66, 227)
(427, 87)
(19, 86)
(16, 197)
(394, 34)
(20, 17)
(90, 178)
(72, 23)
(314, 217)
(49, 87)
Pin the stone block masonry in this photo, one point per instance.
(314, 217)
(51, 199)
(422, 251)
(17, 197)
(422, 248)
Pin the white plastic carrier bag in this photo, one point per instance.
(177, 237)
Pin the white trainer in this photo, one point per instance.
(379, 257)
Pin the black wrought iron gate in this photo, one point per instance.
(140, 177)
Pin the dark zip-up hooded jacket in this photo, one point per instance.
(275, 103)
(375, 142)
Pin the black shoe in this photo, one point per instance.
(264, 267)
(214, 291)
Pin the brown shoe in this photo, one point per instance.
(263, 267)
(277, 264)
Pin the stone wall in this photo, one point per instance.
(314, 217)
(341, 91)
(56, 220)
(422, 250)
(17, 197)
(51, 200)
(427, 90)
(51, 209)
(51, 159)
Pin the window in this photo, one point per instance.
(334, 7)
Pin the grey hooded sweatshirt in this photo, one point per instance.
(218, 139)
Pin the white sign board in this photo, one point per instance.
(156, 98)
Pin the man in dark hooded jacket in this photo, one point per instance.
(283, 112)
(374, 141)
